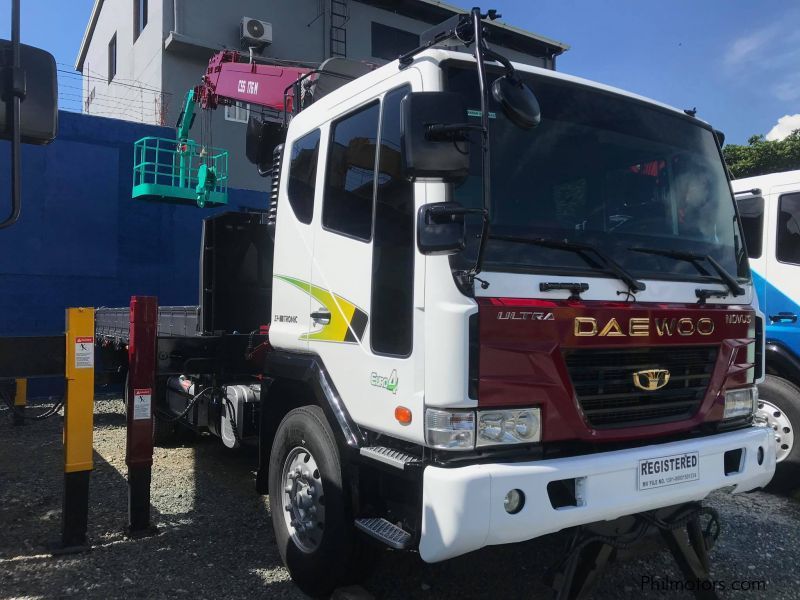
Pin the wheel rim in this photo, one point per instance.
(302, 500)
(780, 424)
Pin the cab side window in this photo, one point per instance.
(303, 175)
(787, 248)
(350, 176)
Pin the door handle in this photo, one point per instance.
(321, 316)
(783, 317)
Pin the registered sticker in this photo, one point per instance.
(141, 404)
(668, 470)
(84, 352)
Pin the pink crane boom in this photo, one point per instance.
(228, 80)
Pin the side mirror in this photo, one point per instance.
(433, 140)
(39, 106)
(720, 137)
(751, 215)
(261, 140)
(441, 228)
(518, 101)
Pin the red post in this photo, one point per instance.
(141, 384)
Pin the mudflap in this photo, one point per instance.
(689, 531)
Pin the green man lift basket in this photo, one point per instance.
(179, 172)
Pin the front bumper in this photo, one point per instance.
(462, 508)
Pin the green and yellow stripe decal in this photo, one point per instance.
(348, 322)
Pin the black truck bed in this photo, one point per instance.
(235, 285)
(113, 324)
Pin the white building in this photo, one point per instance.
(140, 57)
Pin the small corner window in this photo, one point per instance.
(112, 57)
(303, 175)
(787, 246)
(350, 176)
(392, 318)
(238, 112)
(139, 17)
(751, 214)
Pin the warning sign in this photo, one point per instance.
(141, 404)
(84, 352)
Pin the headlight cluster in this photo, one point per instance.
(741, 402)
(466, 429)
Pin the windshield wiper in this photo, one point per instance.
(724, 277)
(582, 250)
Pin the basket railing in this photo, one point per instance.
(172, 166)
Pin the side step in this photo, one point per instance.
(389, 456)
(386, 532)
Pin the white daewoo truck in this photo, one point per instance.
(488, 302)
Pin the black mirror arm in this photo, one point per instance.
(480, 49)
(15, 88)
(511, 73)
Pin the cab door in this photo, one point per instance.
(365, 326)
(294, 241)
(783, 268)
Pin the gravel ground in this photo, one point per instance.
(216, 539)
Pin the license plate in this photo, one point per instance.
(668, 470)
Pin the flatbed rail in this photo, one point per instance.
(113, 324)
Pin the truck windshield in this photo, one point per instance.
(601, 169)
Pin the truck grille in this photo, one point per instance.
(603, 382)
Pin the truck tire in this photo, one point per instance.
(779, 404)
(309, 498)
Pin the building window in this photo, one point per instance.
(139, 17)
(389, 42)
(112, 57)
(787, 247)
(238, 113)
(350, 177)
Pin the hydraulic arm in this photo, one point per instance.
(227, 80)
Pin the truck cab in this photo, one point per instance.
(601, 363)
(769, 207)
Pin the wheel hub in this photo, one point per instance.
(780, 424)
(302, 501)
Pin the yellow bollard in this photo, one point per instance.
(20, 401)
(78, 426)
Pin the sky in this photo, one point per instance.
(736, 61)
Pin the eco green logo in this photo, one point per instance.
(388, 383)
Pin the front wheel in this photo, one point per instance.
(779, 405)
(309, 499)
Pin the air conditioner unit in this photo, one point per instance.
(254, 32)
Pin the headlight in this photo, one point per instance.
(741, 402)
(450, 430)
(516, 426)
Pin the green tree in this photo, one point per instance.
(760, 156)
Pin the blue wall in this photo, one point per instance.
(81, 240)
